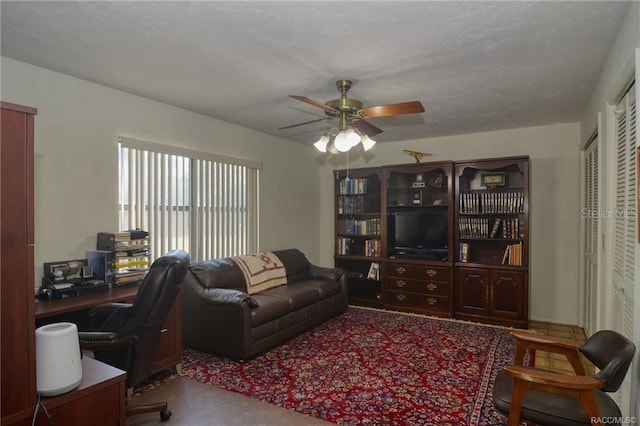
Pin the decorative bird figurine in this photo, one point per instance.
(416, 154)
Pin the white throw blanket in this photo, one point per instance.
(261, 271)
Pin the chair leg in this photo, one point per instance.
(518, 392)
(160, 407)
(588, 400)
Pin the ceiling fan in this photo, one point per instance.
(351, 114)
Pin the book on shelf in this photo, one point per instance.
(494, 229)
(374, 271)
(464, 252)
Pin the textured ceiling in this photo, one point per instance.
(475, 66)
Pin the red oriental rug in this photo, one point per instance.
(371, 367)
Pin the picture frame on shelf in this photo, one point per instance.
(492, 180)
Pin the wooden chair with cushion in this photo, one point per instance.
(128, 337)
(555, 399)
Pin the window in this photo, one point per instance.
(203, 203)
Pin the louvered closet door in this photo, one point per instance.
(625, 227)
(591, 233)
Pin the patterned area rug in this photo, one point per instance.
(370, 367)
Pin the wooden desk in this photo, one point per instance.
(169, 351)
(53, 307)
(99, 400)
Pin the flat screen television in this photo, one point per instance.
(419, 234)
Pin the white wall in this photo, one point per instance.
(554, 202)
(76, 132)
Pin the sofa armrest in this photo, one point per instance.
(225, 296)
(333, 274)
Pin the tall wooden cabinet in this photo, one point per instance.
(358, 230)
(442, 238)
(16, 261)
(492, 235)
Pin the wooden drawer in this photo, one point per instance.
(398, 298)
(432, 288)
(431, 273)
(401, 284)
(432, 302)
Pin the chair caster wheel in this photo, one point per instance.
(164, 415)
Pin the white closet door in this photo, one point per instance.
(591, 170)
(624, 246)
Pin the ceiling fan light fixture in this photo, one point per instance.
(331, 148)
(353, 137)
(367, 142)
(321, 144)
(342, 142)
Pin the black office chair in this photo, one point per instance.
(554, 399)
(128, 337)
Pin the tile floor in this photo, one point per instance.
(553, 361)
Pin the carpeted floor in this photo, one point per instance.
(371, 367)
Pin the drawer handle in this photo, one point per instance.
(401, 283)
(164, 330)
(431, 273)
(431, 286)
(431, 300)
(400, 269)
(400, 297)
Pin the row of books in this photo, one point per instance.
(478, 227)
(371, 226)
(513, 254)
(372, 248)
(351, 205)
(492, 202)
(347, 246)
(349, 186)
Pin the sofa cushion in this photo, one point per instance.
(297, 295)
(325, 288)
(295, 263)
(218, 273)
(271, 308)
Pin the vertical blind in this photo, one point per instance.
(203, 203)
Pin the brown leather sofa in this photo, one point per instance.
(219, 316)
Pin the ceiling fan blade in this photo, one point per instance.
(306, 122)
(315, 103)
(366, 127)
(391, 109)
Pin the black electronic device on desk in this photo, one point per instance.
(69, 278)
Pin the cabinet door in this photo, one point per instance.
(473, 291)
(18, 393)
(507, 294)
(169, 352)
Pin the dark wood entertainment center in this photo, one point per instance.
(449, 239)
